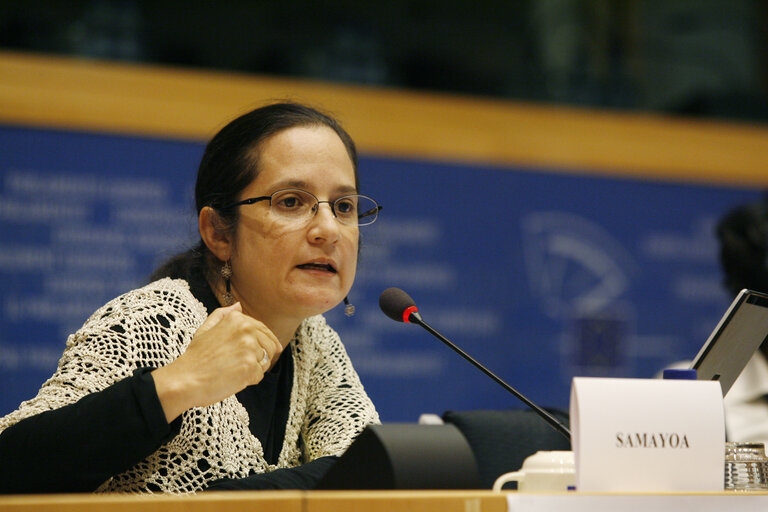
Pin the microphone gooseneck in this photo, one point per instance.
(399, 306)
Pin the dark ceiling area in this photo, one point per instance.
(706, 58)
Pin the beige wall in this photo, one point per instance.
(121, 98)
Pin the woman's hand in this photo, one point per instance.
(229, 352)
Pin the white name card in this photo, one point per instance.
(647, 435)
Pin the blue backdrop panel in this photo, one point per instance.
(539, 274)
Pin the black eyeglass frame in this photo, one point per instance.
(373, 211)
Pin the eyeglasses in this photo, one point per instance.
(296, 205)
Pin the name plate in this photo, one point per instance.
(647, 435)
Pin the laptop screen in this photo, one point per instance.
(740, 332)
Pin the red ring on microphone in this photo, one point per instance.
(407, 313)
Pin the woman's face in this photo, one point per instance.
(286, 270)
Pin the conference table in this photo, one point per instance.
(385, 501)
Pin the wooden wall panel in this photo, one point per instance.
(162, 101)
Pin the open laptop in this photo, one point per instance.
(741, 330)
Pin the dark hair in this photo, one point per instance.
(743, 237)
(231, 162)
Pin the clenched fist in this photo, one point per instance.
(229, 352)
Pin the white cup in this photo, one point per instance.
(544, 471)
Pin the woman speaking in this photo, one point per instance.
(221, 373)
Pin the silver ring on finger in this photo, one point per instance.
(264, 359)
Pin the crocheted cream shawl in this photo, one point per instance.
(152, 326)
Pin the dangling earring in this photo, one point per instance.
(349, 309)
(226, 273)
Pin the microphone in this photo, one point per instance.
(399, 306)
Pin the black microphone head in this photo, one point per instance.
(394, 301)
